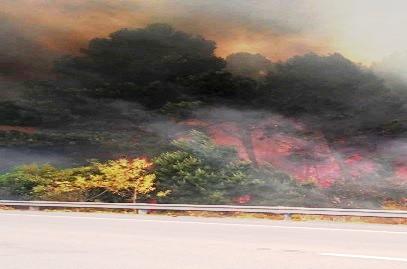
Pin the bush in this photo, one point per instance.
(199, 171)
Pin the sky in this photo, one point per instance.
(364, 31)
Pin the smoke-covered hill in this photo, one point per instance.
(319, 118)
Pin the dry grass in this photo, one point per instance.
(352, 219)
(294, 217)
(207, 214)
(90, 210)
(3, 207)
(391, 205)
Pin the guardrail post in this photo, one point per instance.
(142, 212)
(287, 216)
(33, 208)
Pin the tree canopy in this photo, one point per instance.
(154, 53)
(244, 64)
(200, 171)
(331, 88)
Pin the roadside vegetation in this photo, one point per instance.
(195, 171)
(152, 114)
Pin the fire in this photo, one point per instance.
(308, 158)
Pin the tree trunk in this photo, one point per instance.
(247, 141)
(134, 198)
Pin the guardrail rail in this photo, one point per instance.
(143, 207)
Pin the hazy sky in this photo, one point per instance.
(362, 30)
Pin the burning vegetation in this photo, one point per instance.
(313, 130)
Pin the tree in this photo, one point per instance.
(244, 64)
(46, 182)
(200, 171)
(124, 176)
(329, 87)
(181, 110)
(154, 53)
(333, 96)
(14, 113)
(221, 86)
(118, 180)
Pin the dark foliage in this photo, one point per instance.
(17, 114)
(244, 64)
(154, 53)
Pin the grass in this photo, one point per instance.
(294, 217)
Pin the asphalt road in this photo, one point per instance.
(48, 240)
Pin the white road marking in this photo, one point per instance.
(364, 257)
(211, 223)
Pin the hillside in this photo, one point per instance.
(318, 119)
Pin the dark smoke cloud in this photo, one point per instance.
(33, 33)
(20, 55)
(277, 29)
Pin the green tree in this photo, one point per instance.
(199, 171)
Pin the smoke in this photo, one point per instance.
(34, 32)
(14, 157)
(393, 69)
(65, 26)
(293, 145)
(21, 57)
(245, 64)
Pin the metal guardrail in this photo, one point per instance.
(287, 211)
